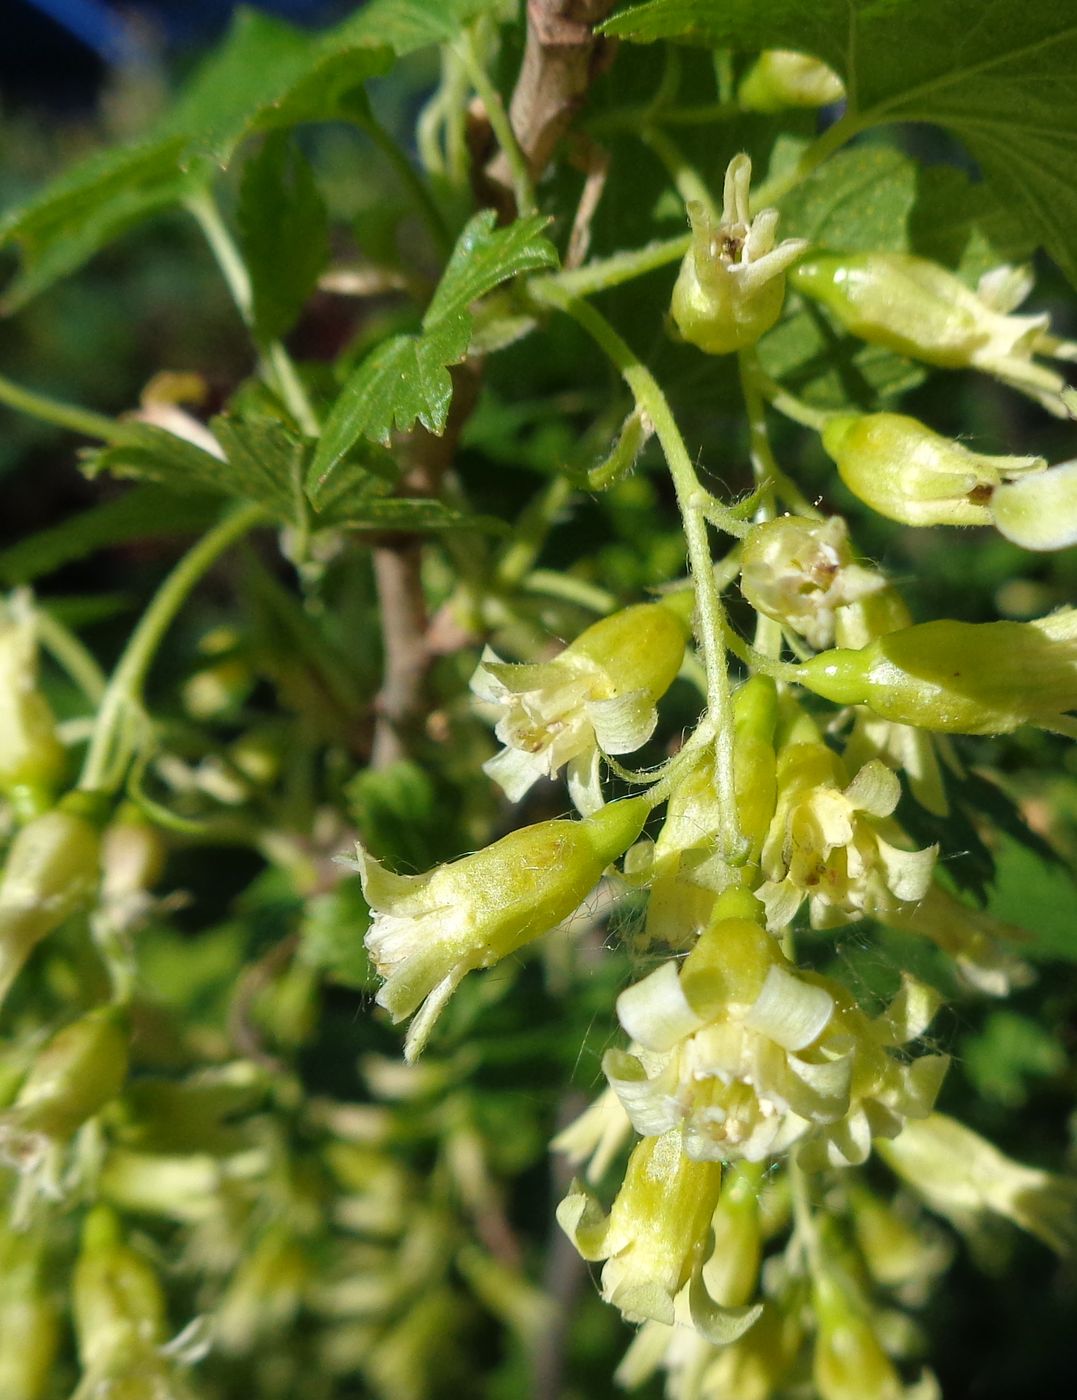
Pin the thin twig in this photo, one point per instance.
(562, 57)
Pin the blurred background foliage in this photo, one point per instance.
(466, 1144)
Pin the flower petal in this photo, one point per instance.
(623, 723)
(789, 1011)
(655, 1011)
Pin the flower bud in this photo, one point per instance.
(959, 677)
(31, 756)
(429, 931)
(598, 694)
(918, 308)
(800, 571)
(688, 868)
(29, 1317)
(732, 1271)
(50, 873)
(1039, 512)
(654, 1238)
(731, 285)
(848, 1362)
(780, 78)
(908, 473)
(81, 1068)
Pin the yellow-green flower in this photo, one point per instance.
(826, 845)
(747, 1056)
(731, 285)
(429, 931)
(598, 695)
(800, 572)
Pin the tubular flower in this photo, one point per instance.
(654, 1239)
(780, 78)
(51, 873)
(981, 946)
(960, 677)
(31, 756)
(799, 572)
(908, 473)
(688, 870)
(918, 308)
(79, 1070)
(746, 1056)
(119, 1313)
(848, 1361)
(429, 931)
(961, 1175)
(599, 694)
(731, 285)
(825, 844)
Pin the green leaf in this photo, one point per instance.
(406, 378)
(283, 234)
(266, 75)
(146, 512)
(263, 463)
(997, 74)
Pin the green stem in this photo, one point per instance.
(710, 615)
(771, 191)
(110, 746)
(531, 531)
(789, 406)
(66, 649)
(411, 180)
(764, 464)
(689, 184)
(603, 273)
(522, 186)
(277, 363)
(569, 589)
(63, 415)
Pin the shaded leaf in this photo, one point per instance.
(406, 378)
(997, 74)
(283, 234)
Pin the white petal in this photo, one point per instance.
(585, 783)
(400, 895)
(649, 1103)
(909, 1014)
(908, 873)
(789, 1011)
(655, 1012)
(515, 771)
(1039, 512)
(623, 723)
(875, 789)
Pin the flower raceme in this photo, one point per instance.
(960, 677)
(731, 285)
(429, 931)
(598, 694)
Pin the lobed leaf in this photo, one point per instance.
(997, 74)
(406, 379)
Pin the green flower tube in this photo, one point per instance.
(429, 931)
(51, 873)
(81, 1068)
(780, 78)
(959, 677)
(918, 308)
(731, 285)
(598, 695)
(908, 473)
